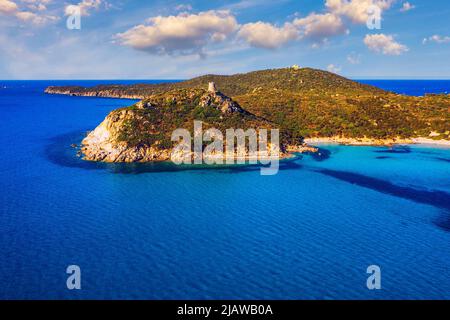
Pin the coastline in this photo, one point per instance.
(122, 154)
(377, 142)
(95, 94)
(427, 141)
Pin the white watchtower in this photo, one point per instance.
(212, 87)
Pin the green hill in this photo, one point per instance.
(310, 103)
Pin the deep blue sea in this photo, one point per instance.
(163, 232)
(411, 87)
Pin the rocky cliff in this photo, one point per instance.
(103, 93)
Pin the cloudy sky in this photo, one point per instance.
(170, 39)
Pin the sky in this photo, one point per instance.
(177, 39)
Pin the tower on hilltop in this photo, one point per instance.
(212, 87)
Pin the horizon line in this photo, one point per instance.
(156, 79)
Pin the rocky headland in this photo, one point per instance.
(142, 132)
(302, 102)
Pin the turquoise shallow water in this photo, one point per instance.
(163, 232)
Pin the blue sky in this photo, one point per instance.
(130, 39)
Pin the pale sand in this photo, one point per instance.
(431, 141)
(376, 142)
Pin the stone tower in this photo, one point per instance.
(212, 87)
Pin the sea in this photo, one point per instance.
(159, 231)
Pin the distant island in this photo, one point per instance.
(305, 104)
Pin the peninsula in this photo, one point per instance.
(305, 104)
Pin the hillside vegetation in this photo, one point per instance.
(155, 118)
(143, 132)
(310, 103)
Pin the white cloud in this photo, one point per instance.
(183, 7)
(320, 43)
(407, 6)
(35, 18)
(354, 58)
(182, 34)
(37, 5)
(437, 39)
(320, 25)
(266, 35)
(334, 69)
(314, 26)
(8, 7)
(85, 6)
(188, 33)
(384, 44)
(356, 10)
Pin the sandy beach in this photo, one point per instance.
(375, 142)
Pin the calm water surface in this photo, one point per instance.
(163, 232)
